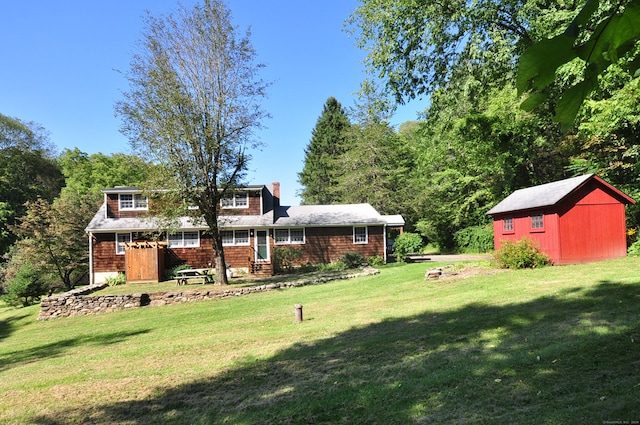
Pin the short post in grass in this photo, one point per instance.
(298, 313)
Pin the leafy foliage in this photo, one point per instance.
(88, 174)
(26, 287)
(335, 266)
(522, 254)
(28, 171)
(475, 239)
(375, 261)
(193, 106)
(53, 232)
(455, 182)
(174, 270)
(419, 47)
(634, 249)
(352, 260)
(285, 258)
(597, 39)
(407, 243)
(119, 279)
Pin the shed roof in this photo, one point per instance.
(549, 194)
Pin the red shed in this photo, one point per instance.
(576, 220)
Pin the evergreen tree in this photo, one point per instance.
(327, 145)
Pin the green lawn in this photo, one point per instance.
(559, 345)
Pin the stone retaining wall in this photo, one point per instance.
(78, 303)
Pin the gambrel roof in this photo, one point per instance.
(549, 194)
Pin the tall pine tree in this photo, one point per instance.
(328, 143)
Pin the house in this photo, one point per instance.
(576, 220)
(253, 225)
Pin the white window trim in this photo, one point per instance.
(135, 199)
(235, 239)
(537, 222)
(119, 249)
(366, 235)
(232, 200)
(182, 244)
(511, 227)
(289, 241)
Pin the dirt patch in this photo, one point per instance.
(453, 271)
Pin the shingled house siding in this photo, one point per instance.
(328, 229)
(104, 253)
(326, 245)
(196, 257)
(254, 206)
(113, 208)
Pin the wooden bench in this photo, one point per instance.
(187, 275)
(416, 258)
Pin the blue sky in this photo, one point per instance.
(60, 61)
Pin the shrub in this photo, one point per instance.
(284, 258)
(407, 243)
(352, 260)
(173, 271)
(634, 249)
(119, 279)
(521, 254)
(26, 287)
(475, 239)
(375, 261)
(336, 266)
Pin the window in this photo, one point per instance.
(235, 237)
(507, 225)
(289, 236)
(360, 235)
(184, 239)
(136, 201)
(239, 200)
(121, 238)
(537, 222)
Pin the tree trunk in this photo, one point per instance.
(221, 269)
(220, 263)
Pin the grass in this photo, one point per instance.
(547, 346)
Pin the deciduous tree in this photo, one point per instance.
(88, 174)
(600, 35)
(377, 166)
(193, 106)
(28, 171)
(53, 234)
(419, 47)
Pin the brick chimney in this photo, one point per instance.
(276, 193)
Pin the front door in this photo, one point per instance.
(262, 245)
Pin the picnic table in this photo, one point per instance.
(185, 275)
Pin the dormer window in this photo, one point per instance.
(239, 200)
(130, 201)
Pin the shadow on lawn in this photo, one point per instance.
(567, 359)
(14, 358)
(7, 325)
